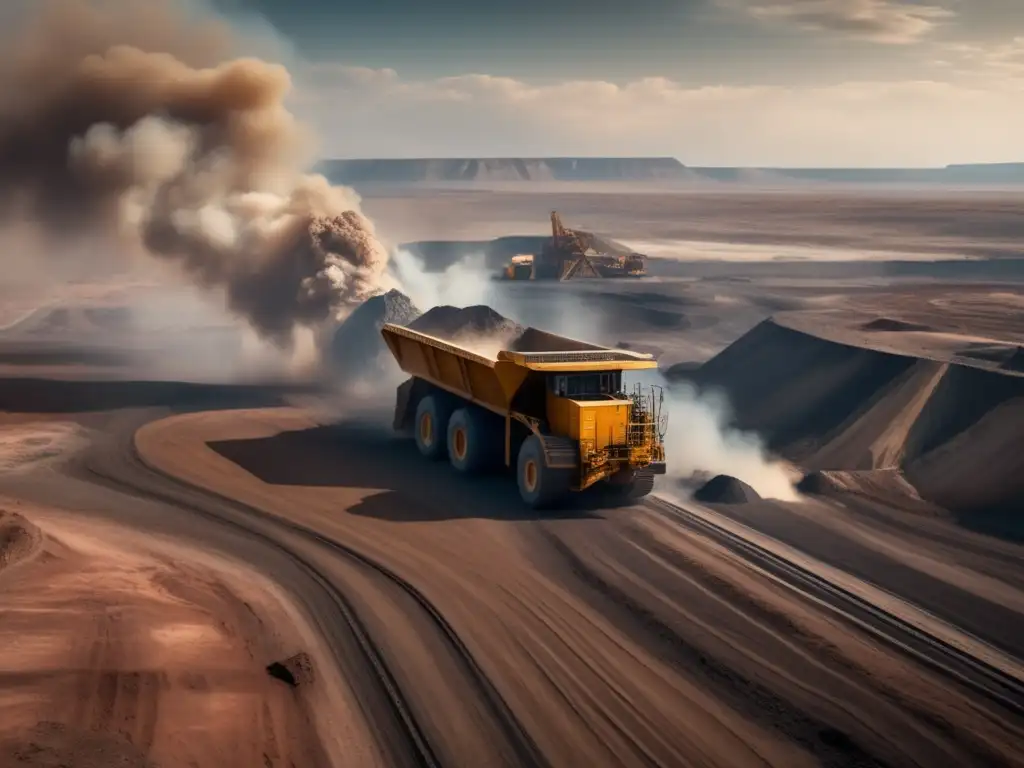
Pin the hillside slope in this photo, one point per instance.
(826, 405)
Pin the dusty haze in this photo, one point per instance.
(128, 125)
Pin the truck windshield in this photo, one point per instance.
(580, 384)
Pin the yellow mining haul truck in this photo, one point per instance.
(561, 418)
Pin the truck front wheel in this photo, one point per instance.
(432, 414)
(540, 486)
(474, 442)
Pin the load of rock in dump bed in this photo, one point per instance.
(725, 489)
(534, 340)
(453, 323)
(358, 352)
(357, 348)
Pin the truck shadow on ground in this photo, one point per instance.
(42, 395)
(413, 489)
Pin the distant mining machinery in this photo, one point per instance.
(566, 256)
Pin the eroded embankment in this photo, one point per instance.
(832, 406)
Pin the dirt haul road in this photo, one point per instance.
(449, 627)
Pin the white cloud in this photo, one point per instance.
(371, 113)
(988, 60)
(882, 21)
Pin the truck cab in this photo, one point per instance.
(613, 429)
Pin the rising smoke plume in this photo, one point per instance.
(125, 123)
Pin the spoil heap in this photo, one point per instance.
(725, 489)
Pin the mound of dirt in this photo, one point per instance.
(891, 324)
(725, 489)
(295, 670)
(886, 485)
(1014, 362)
(357, 348)
(18, 538)
(952, 429)
(109, 318)
(478, 328)
(54, 321)
(799, 391)
(869, 483)
(447, 322)
(1000, 354)
(535, 340)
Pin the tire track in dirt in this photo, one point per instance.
(132, 475)
(834, 707)
(745, 695)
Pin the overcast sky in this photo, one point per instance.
(712, 82)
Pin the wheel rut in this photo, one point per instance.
(134, 477)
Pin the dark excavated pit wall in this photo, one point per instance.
(801, 392)
(959, 401)
(792, 387)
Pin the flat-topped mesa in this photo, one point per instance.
(556, 406)
(502, 169)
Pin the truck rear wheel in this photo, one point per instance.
(432, 414)
(473, 440)
(633, 488)
(540, 486)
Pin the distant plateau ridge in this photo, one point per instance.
(645, 169)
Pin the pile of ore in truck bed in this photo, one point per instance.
(454, 323)
(357, 349)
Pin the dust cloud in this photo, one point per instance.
(465, 283)
(701, 441)
(470, 282)
(128, 126)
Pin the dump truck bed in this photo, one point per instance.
(493, 382)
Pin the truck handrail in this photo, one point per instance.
(578, 356)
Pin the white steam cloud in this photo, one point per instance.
(465, 283)
(551, 306)
(700, 440)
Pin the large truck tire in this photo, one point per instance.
(540, 486)
(474, 442)
(432, 414)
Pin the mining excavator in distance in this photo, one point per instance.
(567, 256)
(553, 409)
